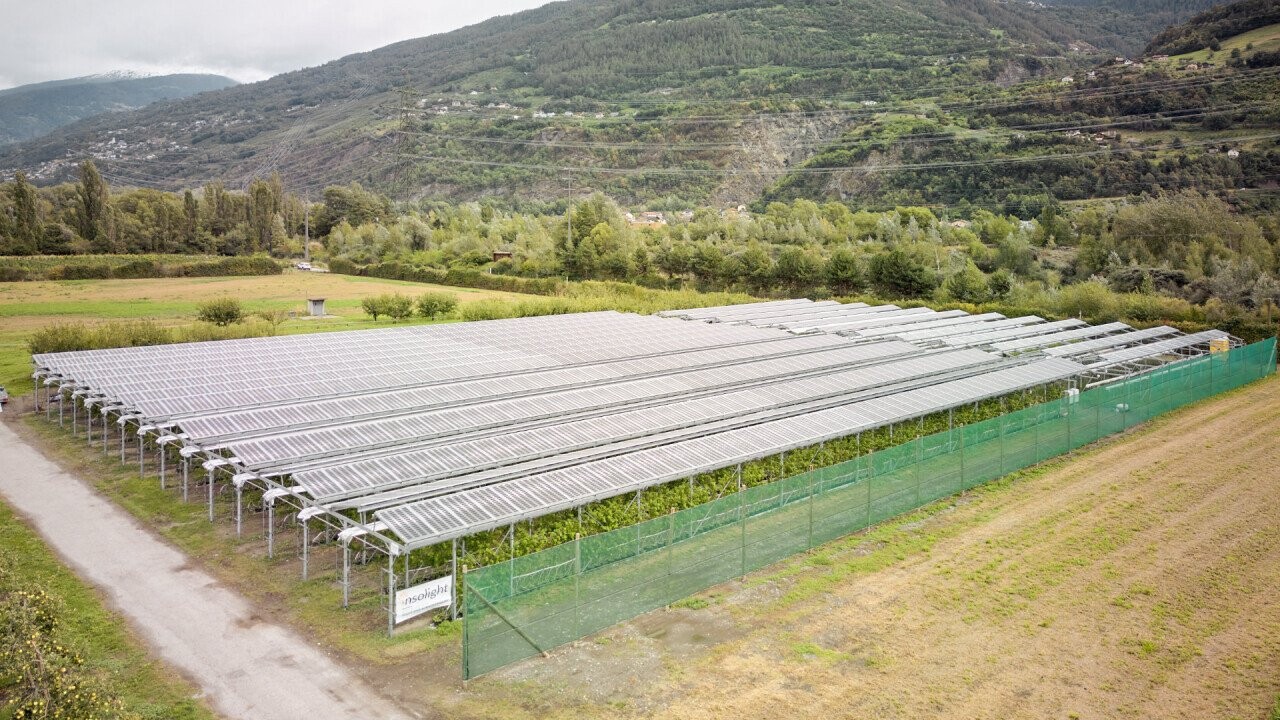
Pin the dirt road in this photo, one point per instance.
(248, 666)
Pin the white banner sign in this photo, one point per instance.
(412, 602)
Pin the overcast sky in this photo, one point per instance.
(243, 39)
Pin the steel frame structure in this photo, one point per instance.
(397, 439)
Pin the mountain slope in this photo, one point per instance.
(1217, 24)
(659, 98)
(29, 111)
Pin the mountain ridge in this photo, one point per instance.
(652, 62)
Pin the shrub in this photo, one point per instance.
(436, 304)
(399, 307)
(85, 271)
(393, 305)
(273, 318)
(1090, 301)
(221, 312)
(141, 268)
(374, 306)
(13, 273)
(43, 677)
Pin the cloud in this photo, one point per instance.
(246, 40)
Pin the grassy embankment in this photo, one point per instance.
(146, 688)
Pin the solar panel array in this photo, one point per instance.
(444, 430)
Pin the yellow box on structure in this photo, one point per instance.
(1220, 345)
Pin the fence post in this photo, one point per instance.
(811, 491)
(462, 598)
(577, 583)
(857, 469)
(671, 536)
(917, 461)
(742, 522)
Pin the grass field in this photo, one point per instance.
(28, 306)
(1263, 39)
(146, 687)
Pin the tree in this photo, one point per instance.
(93, 211)
(262, 216)
(798, 269)
(398, 307)
(969, 285)
(190, 221)
(222, 311)
(374, 305)
(1000, 284)
(843, 272)
(27, 229)
(896, 274)
(436, 304)
(752, 266)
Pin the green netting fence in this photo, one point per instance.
(527, 605)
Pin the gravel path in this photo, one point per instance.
(247, 667)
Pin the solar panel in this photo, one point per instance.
(364, 406)
(434, 520)
(349, 438)
(722, 310)
(1156, 349)
(1058, 338)
(1128, 338)
(470, 455)
(1028, 329)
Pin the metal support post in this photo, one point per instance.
(61, 403)
(186, 468)
(106, 429)
(142, 454)
(346, 575)
(391, 595)
(211, 473)
(75, 415)
(453, 570)
(162, 459)
(88, 424)
(124, 430)
(306, 546)
(271, 529)
(239, 508)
